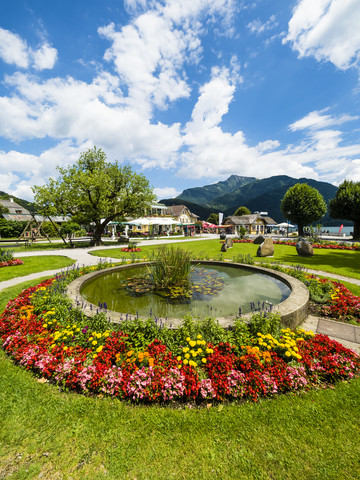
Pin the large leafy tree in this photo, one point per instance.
(346, 204)
(303, 205)
(95, 191)
(241, 211)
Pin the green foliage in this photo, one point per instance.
(265, 322)
(346, 204)
(99, 323)
(49, 229)
(241, 211)
(11, 228)
(319, 292)
(69, 228)
(6, 255)
(302, 205)
(172, 267)
(242, 231)
(213, 218)
(241, 332)
(94, 190)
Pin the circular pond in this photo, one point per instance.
(293, 310)
(218, 290)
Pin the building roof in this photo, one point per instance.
(26, 217)
(13, 207)
(249, 219)
(177, 210)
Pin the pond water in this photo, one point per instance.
(235, 289)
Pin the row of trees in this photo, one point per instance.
(303, 205)
(94, 191)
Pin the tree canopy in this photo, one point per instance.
(346, 204)
(94, 191)
(242, 211)
(213, 218)
(303, 205)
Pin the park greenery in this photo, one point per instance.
(241, 211)
(303, 205)
(94, 191)
(346, 204)
(46, 432)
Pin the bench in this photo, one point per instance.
(84, 241)
(16, 243)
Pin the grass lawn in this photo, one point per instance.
(34, 265)
(45, 433)
(48, 434)
(340, 262)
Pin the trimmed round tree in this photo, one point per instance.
(303, 205)
(213, 218)
(241, 211)
(346, 204)
(95, 191)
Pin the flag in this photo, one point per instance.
(221, 216)
(341, 227)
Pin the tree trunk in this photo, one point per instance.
(356, 234)
(97, 234)
(300, 230)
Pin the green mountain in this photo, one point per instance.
(205, 195)
(255, 194)
(24, 203)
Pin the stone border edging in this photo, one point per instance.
(293, 310)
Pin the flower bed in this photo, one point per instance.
(131, 249)
(11, 263)
(148, 363)
(325, 245)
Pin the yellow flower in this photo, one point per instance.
(186, 349)
(65, 348)
(45, 325)
(186, 361)
(199, 337)
(203, 360)
(192, 343)
(178, 359)
(287, 353)
(99, 349)
(187, 355)
(94, 342)
(188, 339)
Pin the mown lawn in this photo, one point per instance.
(34, 265)
(340, 262)
(49, 434)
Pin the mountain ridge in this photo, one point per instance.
(256, 194)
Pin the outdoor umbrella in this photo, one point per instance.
(284, 224)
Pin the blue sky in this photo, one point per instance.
(186, 91)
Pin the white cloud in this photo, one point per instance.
(327, 30)
(317, 120)
(166, 192)
(15, 51)
(258, 27)
(45, 57)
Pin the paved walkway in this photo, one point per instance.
(348, 335)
